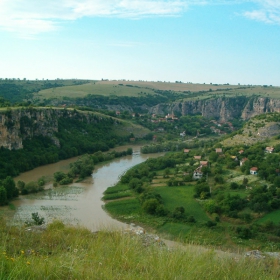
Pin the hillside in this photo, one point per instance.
(259, 129)
(33, 136)
(45, 252)
(220, 102)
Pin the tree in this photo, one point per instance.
(10, 186)
(3, 196)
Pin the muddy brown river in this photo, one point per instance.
(79, 203)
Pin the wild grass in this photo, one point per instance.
(62, 252)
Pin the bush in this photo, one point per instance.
(150, 206)
(210, 224)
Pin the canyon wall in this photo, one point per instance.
(222, 108)
(17, 125)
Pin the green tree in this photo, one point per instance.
(150, 205)
(10, 186)
(3, 196)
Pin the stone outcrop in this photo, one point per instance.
(19, 124)
(221, 108)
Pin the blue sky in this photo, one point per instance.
(199, 41)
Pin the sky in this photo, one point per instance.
(197, 41)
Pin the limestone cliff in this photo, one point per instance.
(221, 108)
(19, 124)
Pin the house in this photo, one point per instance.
(118, 113)
(197, 174)
(197, 157)
(241, 152)
(183, 134)
(242, 161)
(219, 150)
(154, 138)
(254, 171)
(186, 151)
(204, 163)
(131, 139)
(269, 150)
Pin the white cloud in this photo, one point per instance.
(268, 11)
(30, 17)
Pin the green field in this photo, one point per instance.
(137, 89)
(98, 88)
(273, 216)
(182, 196)
(123, 207)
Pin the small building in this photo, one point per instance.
(204, 163)
(131, 139)
(118, 113)
(254, 171)
(241, 152)
(183, 134)
(197, 174)
(219, 150)
(197, 157)
(242, 161)
(186, 151)
(269, 150)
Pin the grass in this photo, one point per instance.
(117, 188)
(123, 207)
(95, 88)
(182, 196)
(115, 255)
(273, 216)
(117, 195)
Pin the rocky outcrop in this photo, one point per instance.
(19, 124)
(221, 108)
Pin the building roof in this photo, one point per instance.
(254, 168)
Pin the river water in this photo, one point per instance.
(79, 203)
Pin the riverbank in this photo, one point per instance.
(79, 203)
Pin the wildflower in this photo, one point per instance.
(4, 253)
(75, 250)
(22, 251)
(28, 263)
(12, 259)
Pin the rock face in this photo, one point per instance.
(20, 124)
(222, 108)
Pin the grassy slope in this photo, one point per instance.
(113, 88)
(62, 252)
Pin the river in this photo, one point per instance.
(78, 203)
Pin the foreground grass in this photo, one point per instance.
(62, 252)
